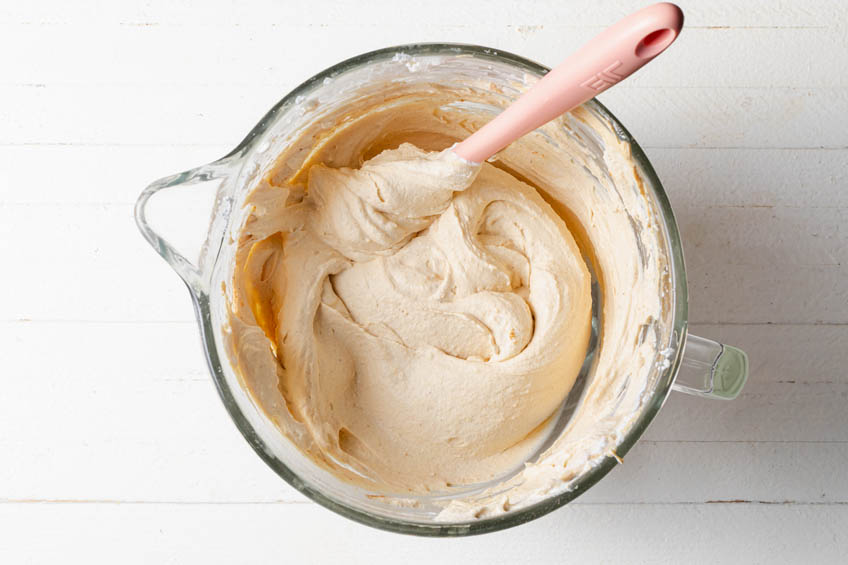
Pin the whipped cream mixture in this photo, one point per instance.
(429, 315)
(413, 322)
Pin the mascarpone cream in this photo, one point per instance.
(428, 315)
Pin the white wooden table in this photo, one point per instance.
(114, 447)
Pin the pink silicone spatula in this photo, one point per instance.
(610, 57)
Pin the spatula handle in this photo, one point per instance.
(611, 56)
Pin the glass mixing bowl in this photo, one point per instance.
(169, 215)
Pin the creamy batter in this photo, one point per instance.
(430, 315)
(412, 321)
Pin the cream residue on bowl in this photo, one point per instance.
(349, 340)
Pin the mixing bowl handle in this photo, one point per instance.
(711, 369)
(181, 223)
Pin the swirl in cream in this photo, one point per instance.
(428, 316)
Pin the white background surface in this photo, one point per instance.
(113, 444)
